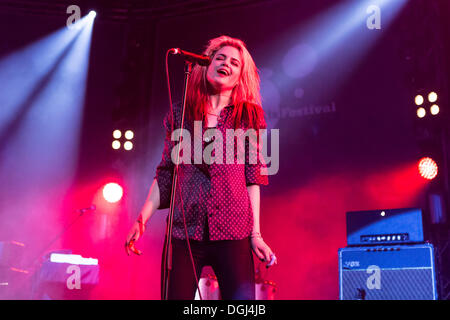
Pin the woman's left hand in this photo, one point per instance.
(262, 250)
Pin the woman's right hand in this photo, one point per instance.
(135, 233)
(138, 228)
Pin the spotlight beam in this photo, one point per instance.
(323, 42)
(8, 132)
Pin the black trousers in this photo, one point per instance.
(231, 260)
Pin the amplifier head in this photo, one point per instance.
(388, 226)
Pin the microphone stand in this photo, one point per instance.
(81, 212)
(33, 262)
(168, 239)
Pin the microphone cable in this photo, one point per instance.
(179, 189)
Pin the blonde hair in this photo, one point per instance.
(245, 96)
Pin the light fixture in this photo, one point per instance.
(117, 134)
(116, 144)
(428, 168)
(419, 100)
(421, 112)
(432, 97)
(128, 145)
(129, 134)
(112, 192)
(434, 109)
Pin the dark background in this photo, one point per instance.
(361, 154)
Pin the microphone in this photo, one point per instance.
(201, 60)
(91, 208)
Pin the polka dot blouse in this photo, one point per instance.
(212, 195)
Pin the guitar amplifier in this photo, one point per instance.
(382, 227)
(397, 272)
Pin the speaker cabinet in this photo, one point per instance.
(401, 272)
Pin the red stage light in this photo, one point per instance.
(112, 192)
(428, 168)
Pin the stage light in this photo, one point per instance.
(72, 259)
(43, 91)
(434, 109)
(432, 97)
(419, 100)
(129, 134)
(116, 144)
(421, 112)
(117, 134)
(428, 168)
(128, 145)
(112, 192)
(92, 14)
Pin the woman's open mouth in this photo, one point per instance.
(223, 72)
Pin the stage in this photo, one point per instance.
(355, 95)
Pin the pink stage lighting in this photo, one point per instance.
(428, 168)
(112, 192)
